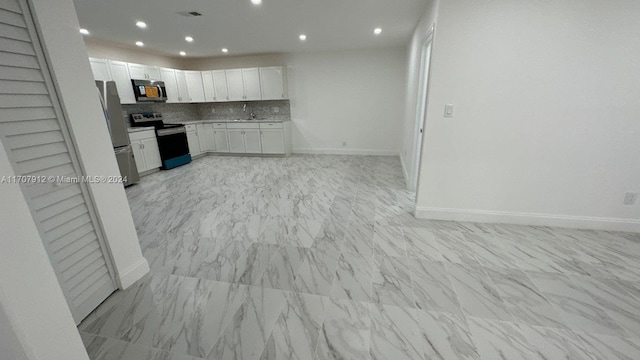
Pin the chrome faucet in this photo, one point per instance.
(252, 116)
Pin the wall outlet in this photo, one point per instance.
(344, 143)
(276, 109)
(630, 198)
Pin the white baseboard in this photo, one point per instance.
(566, 221)
(133, 273)
(338, 151)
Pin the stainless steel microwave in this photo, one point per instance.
(149, 90)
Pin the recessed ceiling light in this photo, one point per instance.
(182, 53)
(225, 50)
(84, 31)
(377, 31)
(139, 43)
(189, 39)
(256, 2)
(141, 24)
(303, 37)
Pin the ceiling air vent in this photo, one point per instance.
(190, 13)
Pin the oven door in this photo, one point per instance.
(172, 143)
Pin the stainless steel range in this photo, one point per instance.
(172, 139)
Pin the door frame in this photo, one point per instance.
(422, 105)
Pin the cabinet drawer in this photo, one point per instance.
(190, 127)
(243, 126)
(219, 125)
(271, 126)
(139, 135)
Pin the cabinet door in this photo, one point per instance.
(100, 68)
(136, 147)
(153, 72)
(272, 83)
(194, 144)
(183, 89)
(137, 71)
(236, 141)
(120, 74)
(171, 84)
(235, 85)
(203, 139)
(272, 141)
(252, 141)
(194, 84)
(209, 89)
(220, 85)
(151, 153)
(211, 140)
(221, 141)
(251, 82)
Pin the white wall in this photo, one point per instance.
(546, 123)
(408, 149)
(72, 74)
(36, 323)
(355, 97)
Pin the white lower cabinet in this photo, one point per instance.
(272, 141)
(220, 138)
(193, 142)
(205, 137)
(239, 138)
(236, 140)
(145, 150)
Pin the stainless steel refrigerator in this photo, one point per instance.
(118, 130)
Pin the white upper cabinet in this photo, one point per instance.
(251, 82)
(220, 85)
(170, 84)
(153, 73)
(136, 71)
(194, 85)
(235, 85)
(272, 82)
(183, 88)
(209, 88)
(120, 74)
(100, 68)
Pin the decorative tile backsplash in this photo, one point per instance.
(268, 109)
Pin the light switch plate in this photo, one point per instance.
(448, 110)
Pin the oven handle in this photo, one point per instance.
(163, 132)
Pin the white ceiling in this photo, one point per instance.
(244, 28)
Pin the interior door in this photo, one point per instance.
(34, 133)
(422, 109)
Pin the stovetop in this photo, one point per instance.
(151, 119)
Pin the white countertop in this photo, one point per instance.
(136, 129)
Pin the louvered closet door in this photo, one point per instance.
(34, 133)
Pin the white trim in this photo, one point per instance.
(567, 221)
(405, 173)
(339, 151)
(133, 273)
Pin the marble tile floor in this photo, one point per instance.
(319, 257)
